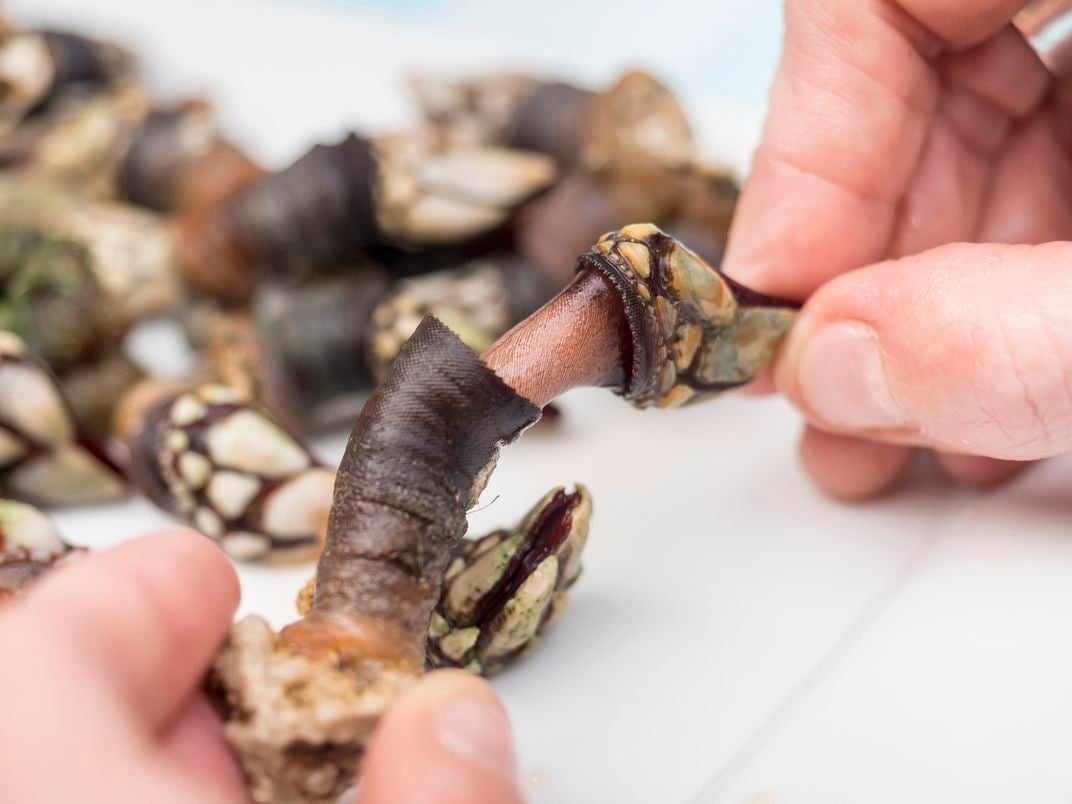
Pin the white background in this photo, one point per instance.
(735, 637)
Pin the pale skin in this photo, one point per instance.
(100, 681)
(914, 186)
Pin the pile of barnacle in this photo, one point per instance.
(436, 269)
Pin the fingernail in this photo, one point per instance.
(842, 381)
(477, 732)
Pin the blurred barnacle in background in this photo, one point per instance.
(45, 458)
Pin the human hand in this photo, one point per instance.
(897, 128)
(99, 689)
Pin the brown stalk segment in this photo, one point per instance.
(416, 461)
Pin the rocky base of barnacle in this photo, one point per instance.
(298, 706)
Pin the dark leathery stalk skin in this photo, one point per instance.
(415, 463)
(299, 705)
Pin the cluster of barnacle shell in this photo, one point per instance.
(298, 289)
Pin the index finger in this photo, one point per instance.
(851, 108)
(145, 617)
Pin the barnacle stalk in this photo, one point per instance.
(44, 459)
(94, 388)
(223, 466)
(679, 330)
(328, 208)
(646, 317)
(502, 592)
(178, 162)
(299, 705)
(300, 350)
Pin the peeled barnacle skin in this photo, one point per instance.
(223, 466)
(43, 458)
(298, 706)
(504, 591)
(695, 332)
(637, 116)
(50, 297)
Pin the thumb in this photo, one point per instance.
(447, 741)
(967, 348)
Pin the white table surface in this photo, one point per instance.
(735, 638)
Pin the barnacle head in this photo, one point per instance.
(472, 111)
(42, 458)
(428, 193)
(474, 301)
(695, 332)
(504, 591)
(25, 531)
(639, 117)
(232, 472)
(27, 72)
(299, 705)
(29, 547)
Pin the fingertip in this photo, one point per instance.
(852, 469)
(145, 617)
(979, 471)
(200, 556)
(762, 385)
(448, 739)
(443, 686)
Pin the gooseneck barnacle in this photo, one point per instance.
(395, 583)
(694, 331)
(339, 201)
(417, 459)
(30, 546)
(224, 466)
(44, 458)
